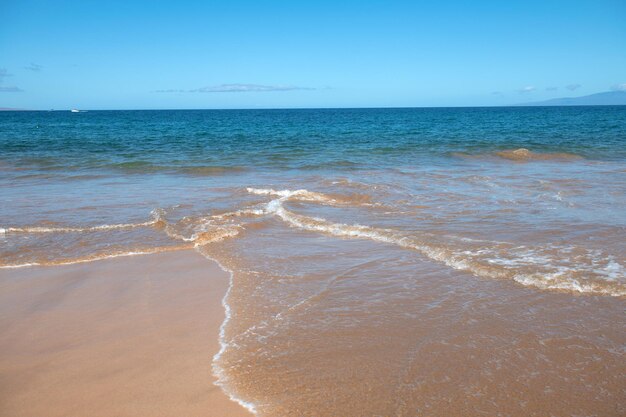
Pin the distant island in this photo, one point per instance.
(608, 98)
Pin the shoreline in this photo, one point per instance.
(217, 372)
(130, 336)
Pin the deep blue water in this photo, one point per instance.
(145, 141)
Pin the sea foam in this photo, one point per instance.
(498, 265)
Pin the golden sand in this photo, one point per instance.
(122, 337)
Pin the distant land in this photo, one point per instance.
(608, 98)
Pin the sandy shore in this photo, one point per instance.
(122, 337)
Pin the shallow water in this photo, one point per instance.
(384, 262)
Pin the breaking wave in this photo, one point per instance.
(499, 261)
(552, 268)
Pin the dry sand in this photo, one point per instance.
(121, 337)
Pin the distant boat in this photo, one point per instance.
(75, 111)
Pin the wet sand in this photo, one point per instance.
(122, 337)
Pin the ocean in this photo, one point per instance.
(384, 262)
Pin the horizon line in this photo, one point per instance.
(6, 109)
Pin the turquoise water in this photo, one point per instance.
(358, 225)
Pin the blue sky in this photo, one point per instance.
(260, 54)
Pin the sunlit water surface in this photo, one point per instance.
(392, 262)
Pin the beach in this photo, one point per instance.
(407, 262)
(132, 336)
(313, 209)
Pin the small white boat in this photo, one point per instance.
(75, 111)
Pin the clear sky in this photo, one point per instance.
(259, 54)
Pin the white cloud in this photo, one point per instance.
(10, 89)
(619, 87)
(3, 74)
(527, 89)
(238, 88)
(7, 88)
(34, 67)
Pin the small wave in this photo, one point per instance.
(354, 199)
(201, 231)
(348, 183)
(216, 234)
(522, 155)
(334, 165)
(240, 213)
(304, 195)
(141, 167)
(138, 167)
(156, 219)
(210, 170)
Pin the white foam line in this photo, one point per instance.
(276, 208)
(97, 258)
(217, 371)
(37, 229)
(301, 194)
